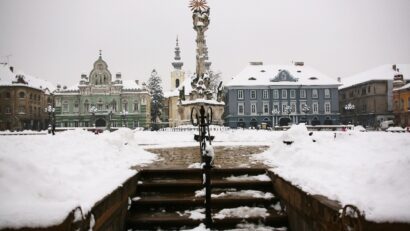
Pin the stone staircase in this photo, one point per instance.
(173, 199)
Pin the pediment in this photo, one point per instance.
(284, 75)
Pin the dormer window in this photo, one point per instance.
(313, 78)
(252, 78)
(263, 71)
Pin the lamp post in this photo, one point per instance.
(124, 115)
(275, 113)
(350, 107)
(288, 110)
(51, 120)
(93, 110)
(306, 109)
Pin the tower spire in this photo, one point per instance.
(177, 64)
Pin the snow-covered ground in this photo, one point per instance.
(44, 177)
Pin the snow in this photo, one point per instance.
(42, 181)
(244, 193)
(369, 170)
(197, 214)
(359, 128)
(396, 129)
(56, 174)
(383, 72)
(262, 75)
(243, 212)
(7, 77)
(262, 177)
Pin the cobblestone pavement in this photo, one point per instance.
(225, 156)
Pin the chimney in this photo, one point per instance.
(118, 75)
(339, 79)
(12, 69)
(137, 82)
(299, 63)
(394, 67)
(256, 63)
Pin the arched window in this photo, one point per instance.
(136, 105)
(114, 105)
(100, 104)
(86, 106)
(65, 106)
(125, 105)
(177, 83)
(22, 95)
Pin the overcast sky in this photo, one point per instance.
(59, 40)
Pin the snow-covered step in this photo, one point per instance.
(172, 199)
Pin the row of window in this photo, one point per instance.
(114, 123)
(22, 110)
(285, 108)
(283, 93)
(101, 107)
(22, 95)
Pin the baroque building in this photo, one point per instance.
(272, 95)
(100, 100)
(370, 95)
(401, 101)
(23, 99)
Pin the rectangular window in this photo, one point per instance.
(76, 107)
(292, 94)
(21, 110)
(276, 94)
(253, 94)
(240, 94)
(265, 94)
(314, 93)
(266, 108)
(327, 93)
(284, 108)
(136, 106)
(303, 107)
(284, 94)
(303, 93)
(275, 108)
(65, 107)
(315, 107)
(327, 108)
(293, 106)
(240, 109)
(7, 110)
(253, 109)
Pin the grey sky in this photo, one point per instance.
(59, 40)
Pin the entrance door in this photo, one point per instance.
(100, 122)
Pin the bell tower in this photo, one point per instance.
(177, 75)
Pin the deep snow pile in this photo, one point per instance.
(370, 170)
(43, 178)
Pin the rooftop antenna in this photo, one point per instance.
(7, 59)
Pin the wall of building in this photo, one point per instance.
(233, 119)
(23, 113)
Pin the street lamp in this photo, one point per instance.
(93, 110)
(124, 115)
(288, 110)
(350, 107)
(275, 113)
(51, 120)
(305, 109)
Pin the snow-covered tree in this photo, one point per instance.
(214, 80)
(157, 98)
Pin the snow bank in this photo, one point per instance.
(43, 178)
(370, 170)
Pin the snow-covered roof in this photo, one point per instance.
(407, 86)
(383, 72)
(7, 77)
(262, 75)
(186, 84)
(130, 85)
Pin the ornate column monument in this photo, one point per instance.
(201, 94)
